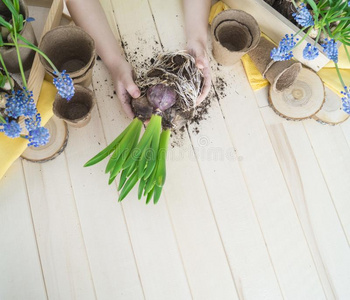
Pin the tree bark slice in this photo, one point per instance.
(331, 111)
(300, 101)
(58, 140)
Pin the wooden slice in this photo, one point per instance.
(302, 100)
(58, 140)
(331, 112)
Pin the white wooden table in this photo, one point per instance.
(254, 207)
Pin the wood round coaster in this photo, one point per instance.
(331, 112)
(58, 141)
(302, 100)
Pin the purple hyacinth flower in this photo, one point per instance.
(64, 85)
(310, 52)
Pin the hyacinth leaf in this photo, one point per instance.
(313, 6)
(20, 23)
(161, 164)
(152, 155)
(148, 156)
(131, 169)
(149, 196)
(16, 5)
(141, 188)
(154, 123)
(126, 141)
(5, 24)
(108, 150)
(128, 186)
(121, 159)
(157, 193)
(143, 160)
(23, 39)
(122, 179)
(11, 8)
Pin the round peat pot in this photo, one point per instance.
(9, 54)
(70, 48)
(281, 74)
(234, 33)
(77, 111)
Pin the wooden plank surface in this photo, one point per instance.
(255, 207)
(314, 206)
(56, 221)
(229, 197)
(20, 268)
(267, 187)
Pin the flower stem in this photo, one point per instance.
(42, 54)
(2, 120)
(303, 38)
(14, 38)
(339, 75)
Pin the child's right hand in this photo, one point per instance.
(123, 79)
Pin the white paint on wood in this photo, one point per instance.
(61, 245)
(20, 269)
(282, 231)
(106, 236)
(248, 257)
(333, 154)
(313, 203)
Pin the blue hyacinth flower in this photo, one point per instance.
(303, 16)
(39, 136)
(284, 49)
(33, 123)
(330, 49)
(11, 128)
(346, 100)
(310, 52)
(64, 85)
(20, 103)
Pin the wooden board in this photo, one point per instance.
(21, 273)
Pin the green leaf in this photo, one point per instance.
(23, 39)
(128, 186)
(5, 24)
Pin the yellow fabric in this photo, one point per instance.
(328, 73)
(217, 8)
(11, 149)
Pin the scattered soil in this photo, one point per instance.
(220, 86)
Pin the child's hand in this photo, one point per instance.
(198, 51)
(123, 79)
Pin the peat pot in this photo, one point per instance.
(72, 49)
(234, 33)
(9, 54)
(77, 111)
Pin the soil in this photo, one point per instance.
(76, 111)
(284, 7)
